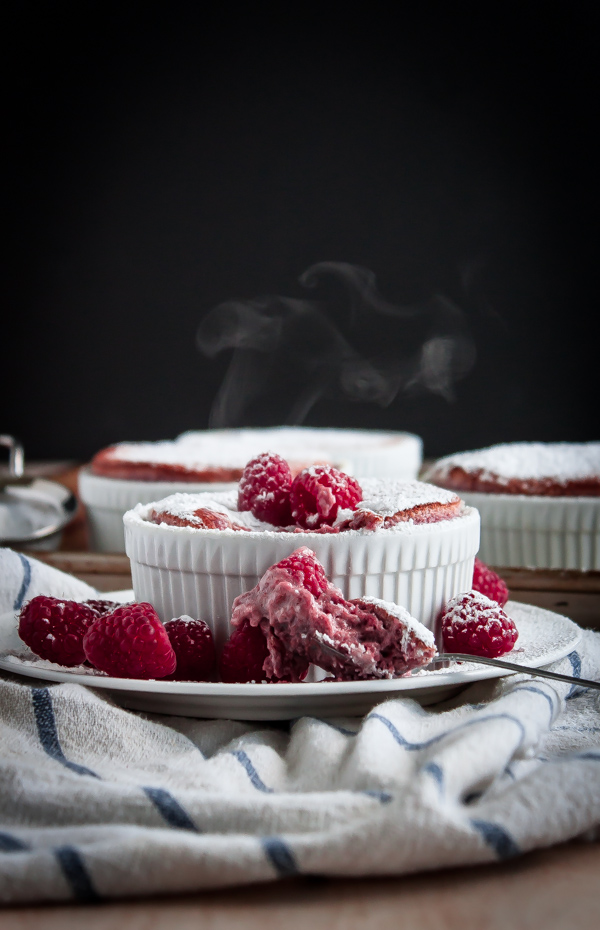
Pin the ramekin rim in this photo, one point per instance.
(133, 517)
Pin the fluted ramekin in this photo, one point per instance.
(183, 570)
(522, 531)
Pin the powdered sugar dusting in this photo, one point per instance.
(29, 659)
(559, 461)
(542, 633)
(233, 448)
(472, 607)
(389, 497)
(183, 505)
(381, 497)
(298, 441)
(170, 452)
(405, 618)
(476, 598)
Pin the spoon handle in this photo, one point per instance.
(513, 667)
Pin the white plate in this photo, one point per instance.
(544, 637)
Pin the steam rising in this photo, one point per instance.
(348, 343)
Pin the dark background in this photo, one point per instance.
(161, 163)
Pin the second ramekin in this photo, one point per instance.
(366, 453)
(107, 499)
(183, 570)
(520, 531)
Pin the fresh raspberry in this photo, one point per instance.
(489, 583)
(319, 492)
(474, 624)
(244, 654)
(130, 643)
(305, 569)
(54, 628)
(101, 607)
(192, 642)
(264, 489)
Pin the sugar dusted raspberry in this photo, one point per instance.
(243, 655)
(319, 492)
(305, 569)
(131, 642)
(474, 624)
(489, 583)
(264, 489)
(193, 644)
(54, 628)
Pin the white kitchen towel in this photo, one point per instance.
(97, 802)
(23, 577)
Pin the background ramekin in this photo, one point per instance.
(522, 531)
(107, 499)
(181, 570)
(366, 453)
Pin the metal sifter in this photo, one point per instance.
(33, 511)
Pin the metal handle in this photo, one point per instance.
(16, 457)
(483, 660)
(514, 667)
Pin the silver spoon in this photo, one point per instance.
(513, 667)
(498, 663)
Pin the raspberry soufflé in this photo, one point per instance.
(552, 469)
(320, 498)
(539, 502)
(407, 543)
(384, 507)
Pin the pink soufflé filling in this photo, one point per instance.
(370, 638)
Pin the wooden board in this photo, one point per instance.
(106, 572)
(549, 889)
(574, 594)
(543, 579)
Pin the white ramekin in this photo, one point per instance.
(182, 570)
(522, 531)
(107, 499)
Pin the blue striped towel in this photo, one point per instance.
(22, 577)
(97, 802)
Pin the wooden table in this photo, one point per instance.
(551, 889)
